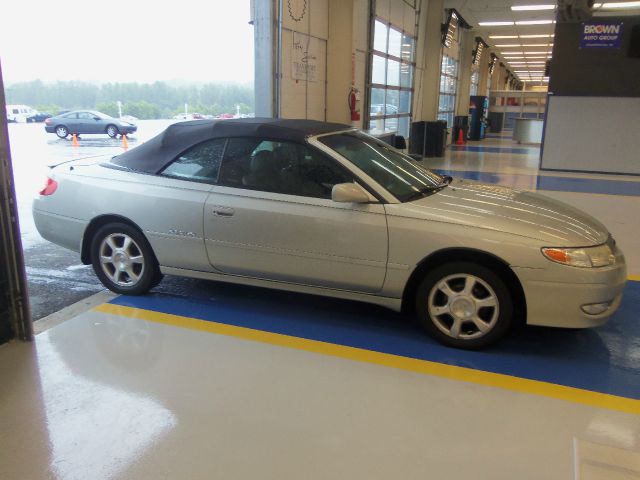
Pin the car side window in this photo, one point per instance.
(200, 163)
(280, 167)
(85, 115)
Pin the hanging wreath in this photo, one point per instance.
(297, 18)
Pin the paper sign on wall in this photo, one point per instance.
(304, 65)
(601, 35)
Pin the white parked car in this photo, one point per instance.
(19, 113)
(325, 209)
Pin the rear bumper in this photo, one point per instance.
(64, 231)
(558, 302)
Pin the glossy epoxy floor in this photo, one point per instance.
(240, 383)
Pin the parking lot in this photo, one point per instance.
(56, 276)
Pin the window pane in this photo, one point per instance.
(378, 70)
(404, 105)
(407, 48)
(380, 37)
(395, 42)
(280, 167)
(391, 124)
(200, 163)
(392, 170)
(406, 72)
(393, 73)
(392, 103)
(377, 101)
(314, 175)
(403, 126)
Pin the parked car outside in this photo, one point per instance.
(87, 121)
(38, 117)
(189, 116)
(19, 113)
(325, 209)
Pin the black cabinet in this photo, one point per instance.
(428, 139)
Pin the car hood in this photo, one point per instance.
(507, 210)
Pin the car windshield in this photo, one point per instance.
(396, 172)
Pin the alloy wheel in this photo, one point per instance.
(121, 259)
(463, 306)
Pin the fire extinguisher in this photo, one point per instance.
(354, 104)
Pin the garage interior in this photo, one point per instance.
(208, 380)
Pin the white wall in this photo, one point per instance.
(592, 134)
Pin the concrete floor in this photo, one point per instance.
(220, 381)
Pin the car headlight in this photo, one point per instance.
(599, 256)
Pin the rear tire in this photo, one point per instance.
(112, 131)
(464, 305)
(62, 131)
(123, 260)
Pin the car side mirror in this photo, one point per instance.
(399, 142)
(96, 118)
(349, 193)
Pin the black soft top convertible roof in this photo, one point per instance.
(154, 155)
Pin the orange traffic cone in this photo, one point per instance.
(125, 144)
(74, 141)
(460, 140)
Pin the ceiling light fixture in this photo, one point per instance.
(508, 45)
(503, 36)
(494, 24)
(535, 22)
(513, 53)
(543, 35)
(616, 5)
(526, 8)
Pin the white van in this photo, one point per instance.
(19, 113)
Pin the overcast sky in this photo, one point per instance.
(135, 40)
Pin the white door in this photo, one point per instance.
(271, 217)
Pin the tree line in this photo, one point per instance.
(142, 100)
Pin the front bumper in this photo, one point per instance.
(50, 128)
(128, 129)
(555, 296)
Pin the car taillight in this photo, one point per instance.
(49, 188)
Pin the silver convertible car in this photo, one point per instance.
(325, 209)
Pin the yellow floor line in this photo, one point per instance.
(634, 278)
(571, 394)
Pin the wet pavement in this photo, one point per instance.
(56, 275)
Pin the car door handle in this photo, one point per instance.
(223, 211)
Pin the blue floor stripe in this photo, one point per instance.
(602, 360)
(498, 135)
(545, 182)
(494, 149)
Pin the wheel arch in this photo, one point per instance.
(486, 259)
(97, 223)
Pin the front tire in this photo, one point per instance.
(464, 305)
(112, 131)
(62, 131)
(123, 260)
